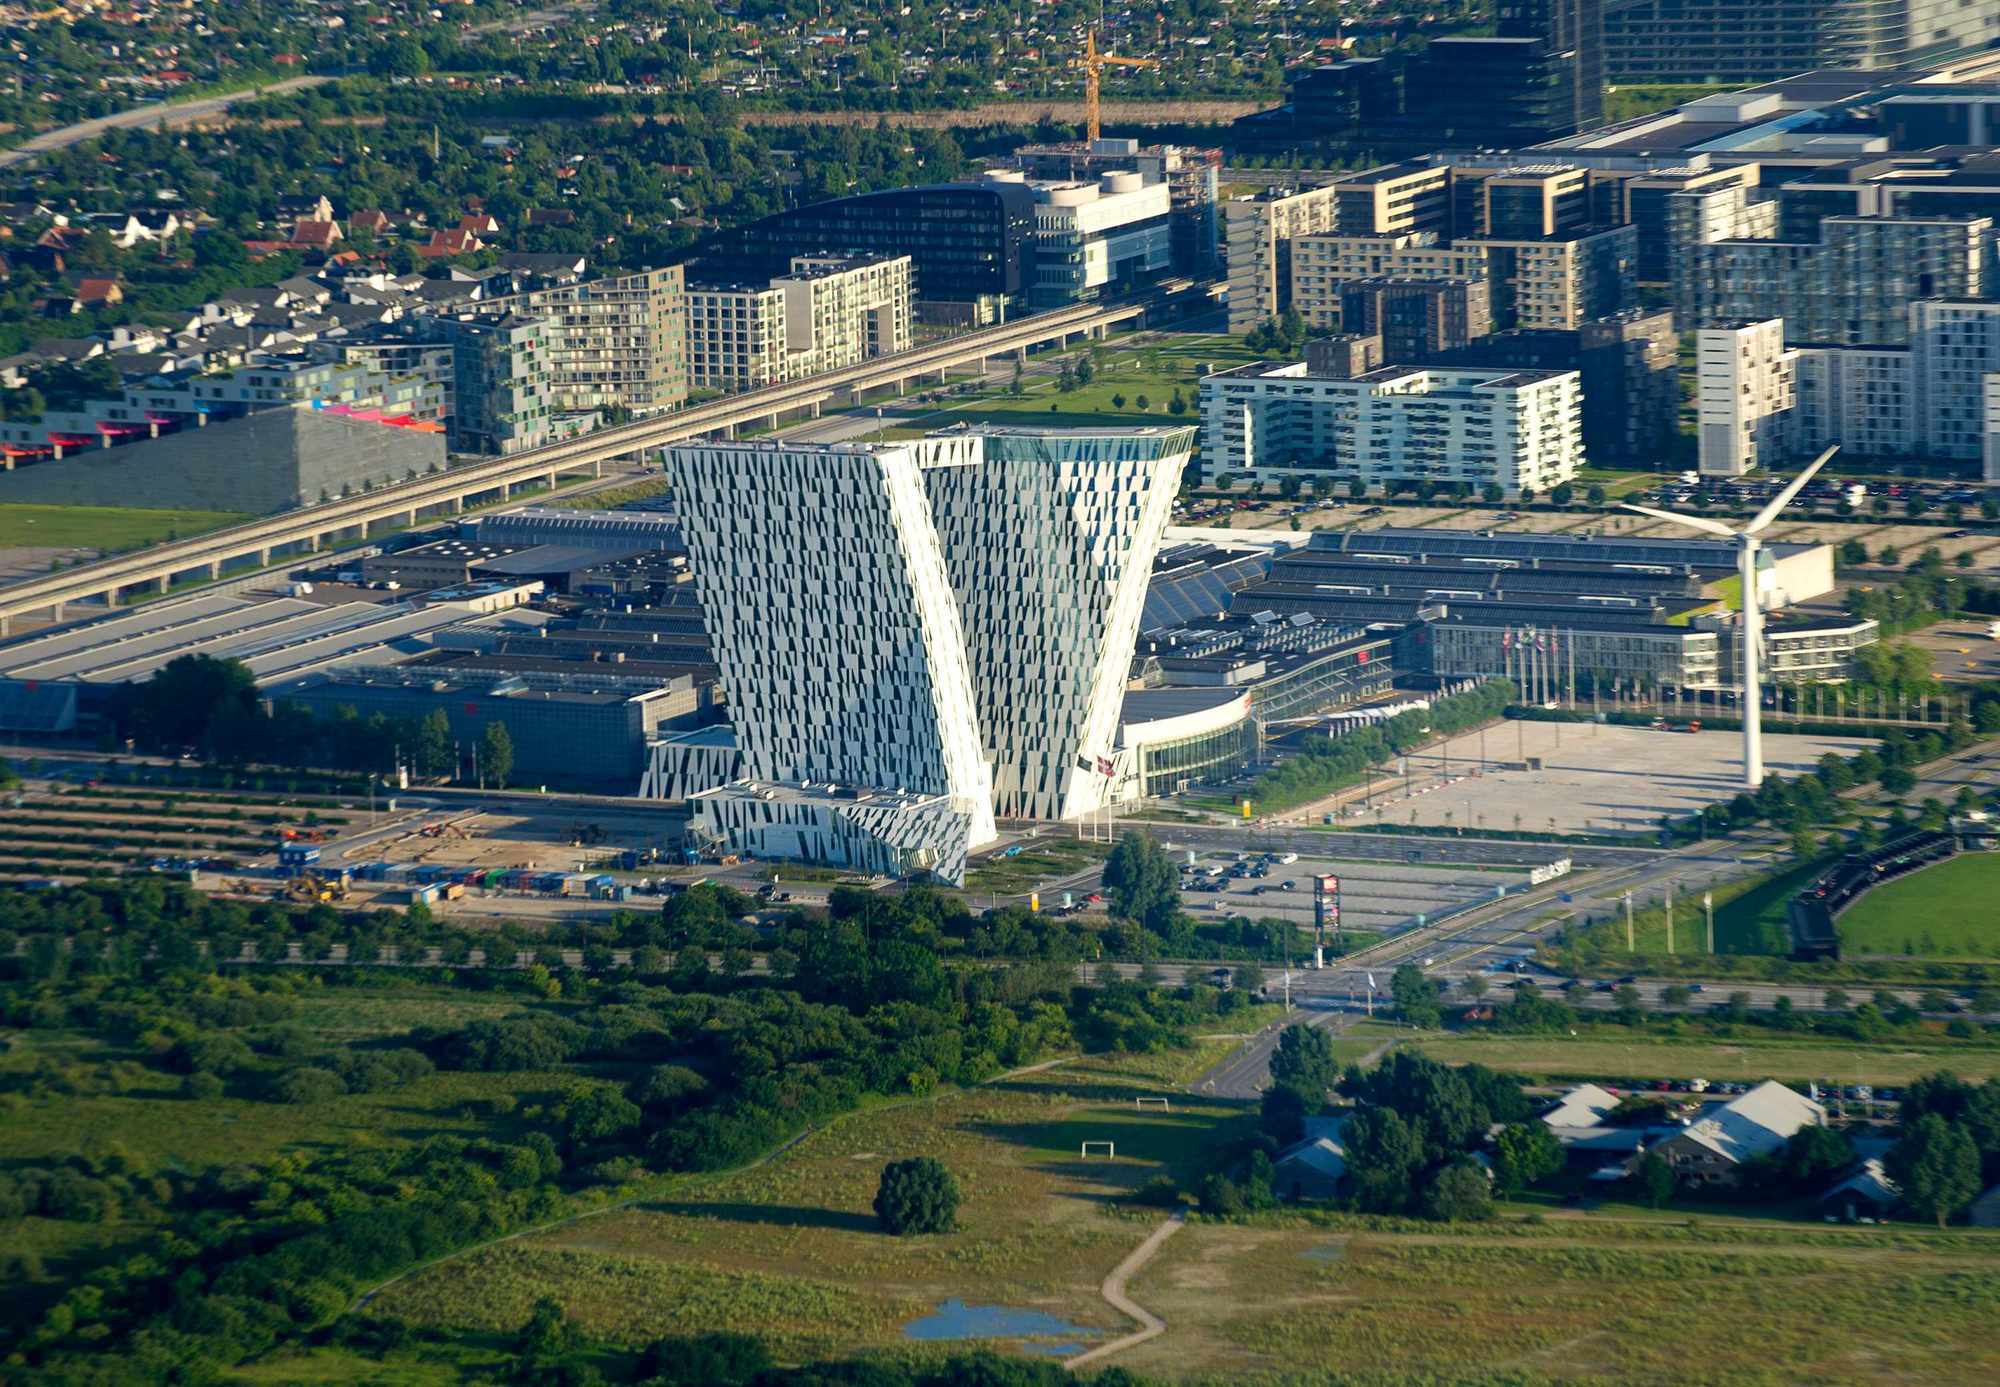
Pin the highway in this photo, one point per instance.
(404, 502)
(156, 113)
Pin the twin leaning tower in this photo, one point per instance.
(918, 637)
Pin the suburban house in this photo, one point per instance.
(1867, 1192)
(1720, 1139)
(1591, 1142)
(1313, 1167)
(1586, 1105)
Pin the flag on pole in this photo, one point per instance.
(1371, 982)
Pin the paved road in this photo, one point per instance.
(159, 113)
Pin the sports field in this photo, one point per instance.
(1951, 910)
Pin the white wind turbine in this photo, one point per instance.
(1753, 615)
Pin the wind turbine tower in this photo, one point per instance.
(1753, 612)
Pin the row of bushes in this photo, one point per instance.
(1327, 764)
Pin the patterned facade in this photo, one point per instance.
(917, 634)
(1049, 539)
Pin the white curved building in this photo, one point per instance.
(914, 636)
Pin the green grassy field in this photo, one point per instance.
(102, 527)
(792, 1250)
(611, 498)
(1749, 918)
(1604, 1053)
(1946, 911)
(1584, 1298)
(1123, 373)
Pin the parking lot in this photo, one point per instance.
(1377, 897)
(1960, 649)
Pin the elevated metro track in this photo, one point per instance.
(257, 543)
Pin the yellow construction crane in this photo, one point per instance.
(1094, 64)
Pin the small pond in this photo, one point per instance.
(1034, 1331)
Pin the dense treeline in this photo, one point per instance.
(680, 1069)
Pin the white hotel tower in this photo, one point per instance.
(916, 636)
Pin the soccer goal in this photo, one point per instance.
(1155, 1102)
(1105, 1148)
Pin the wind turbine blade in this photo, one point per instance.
(1693, 522)
(1784, 498)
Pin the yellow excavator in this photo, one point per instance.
(308, 889)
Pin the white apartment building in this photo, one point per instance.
(1519, 430)
(1747, 386)
(1857, 396)
(1990, 394)
(1932, 399)
(916, 637)
(1954, 351)
(1259, 233)
(829, 311)
(1092, 235)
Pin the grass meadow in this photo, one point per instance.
(102, 527)
(791, 1250)
(1596, 1298)
(1946, 911)
(1599, 1054)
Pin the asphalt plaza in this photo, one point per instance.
(1591, 777)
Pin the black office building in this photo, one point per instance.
(1490, 92)
(969, 244)
(1572, 27)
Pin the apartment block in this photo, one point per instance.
(1561, 281)
(1412, 196)
(1259, 233)
(1954, 352)
(617, 345)
(1859, 397)
(1521, 201)
(1850, 287)
(502, 401)
(1417, 318)
(1747, 381)
(1629, 365)
(1557, 282)
(1320, 264)
(1519, 430)
(1932, 399)
(828, 312)
(1640, 198)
